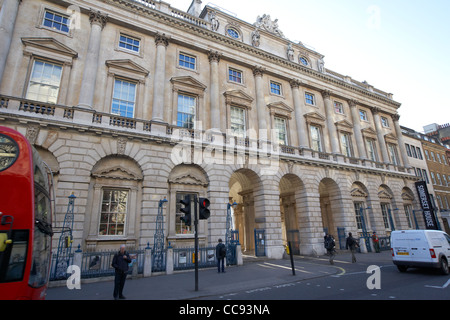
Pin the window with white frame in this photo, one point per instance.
(346, 144)
(385, 122)
(371, 149)
(359, 212)
(439, 181)
(408, 213)
(385, 208)
(419, 153)
(280, 126)
(408, 150)
(124, 98)
(238, 122)
(235, 75)
(310, 99)
(433, 179)
(316, 138)
(114, 212)
(275, 88)
(363, 115)
(187, 61)
(56, 21)
(186, 114)
(129, 43)
(425, 176)
(44, 82)
(427, 154)
(393, 153)
(338, 107)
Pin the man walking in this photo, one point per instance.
(352, 244)
(120, 264)
(221, 252)
(330, 245)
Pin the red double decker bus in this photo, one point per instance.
(25, 219)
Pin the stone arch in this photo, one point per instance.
(245, 188)
(114, 203)
(331, 206)
(293, 211)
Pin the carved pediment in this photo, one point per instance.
(188, 83)
(188, 179)
(384, 195)
(357, 192)
(391, 138)
(315, 117)
(407, 196)
(126, 65)
(280, 108)
(238, 97)
(117, 173)
(49, 47)
(369, 132)
(344, 125)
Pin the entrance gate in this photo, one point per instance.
(260, 242)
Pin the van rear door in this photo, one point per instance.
(401, 248)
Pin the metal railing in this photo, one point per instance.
(183, 258)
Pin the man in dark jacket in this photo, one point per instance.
(221, 252)
(120, 264)
(351, 244)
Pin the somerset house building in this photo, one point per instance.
(133, 101)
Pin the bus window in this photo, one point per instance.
(16, 257)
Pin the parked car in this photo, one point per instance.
(421, 248)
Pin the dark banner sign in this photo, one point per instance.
(427, 206)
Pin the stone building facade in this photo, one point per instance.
(133, 101)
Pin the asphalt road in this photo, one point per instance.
(354, 282)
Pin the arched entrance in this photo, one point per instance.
(245, 190)
(291, 193)
(331, 206)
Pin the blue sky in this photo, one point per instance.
(398, 46)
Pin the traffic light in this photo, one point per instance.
(204, 211)
(186, 210)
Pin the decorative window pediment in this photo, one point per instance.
(238, 97)
(369, 132)
(344, 125)
(391, 138)
(357, 192)
(280, 108)
(118, 172)
(49, 48)
(383, 194)
(315, 117)
(127, 68)
(188, 84)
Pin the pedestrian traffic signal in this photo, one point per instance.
(204, 211)
(186, 210)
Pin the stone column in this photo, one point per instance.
(98, 21)
(260, 104)
(299, 114)
(401, 142)
(380, 135)
(334, 140)
(357, 129)
(8, 15)
(214, 58)
(160, 77)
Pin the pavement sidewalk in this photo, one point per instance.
(254, 274)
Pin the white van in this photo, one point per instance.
(421, 248)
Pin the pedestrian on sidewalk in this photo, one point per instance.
(351, 244)
(376, 242)
(330, 245)
(221, 252)
(120, 264)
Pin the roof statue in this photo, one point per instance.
(267, 24)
